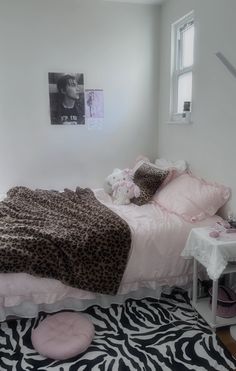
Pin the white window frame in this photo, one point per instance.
(177, 69)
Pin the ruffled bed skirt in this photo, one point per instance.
(28, 309)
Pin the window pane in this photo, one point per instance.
(187, 39)
(184, 90)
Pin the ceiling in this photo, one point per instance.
(139, 1)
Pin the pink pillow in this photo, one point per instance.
(63, 335)
(192, 198)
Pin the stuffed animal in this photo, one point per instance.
(123, 191)
(116, 176)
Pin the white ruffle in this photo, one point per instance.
(180, 165)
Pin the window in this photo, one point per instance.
(182, 59)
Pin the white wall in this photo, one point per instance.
(116, 47)
(209, 143)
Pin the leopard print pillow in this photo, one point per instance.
(149, 178)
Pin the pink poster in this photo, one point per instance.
(94, 103)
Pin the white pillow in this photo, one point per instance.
(180, 166)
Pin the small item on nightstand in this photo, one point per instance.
(232, 220)
(223, 225)
(231, 230)
(214, 234)
(221, 228)
(232, 223)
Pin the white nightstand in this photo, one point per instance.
(216, 255)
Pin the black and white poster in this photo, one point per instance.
(66, 95)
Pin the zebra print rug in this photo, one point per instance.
(140, 335)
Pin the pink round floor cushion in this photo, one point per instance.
(63, 335)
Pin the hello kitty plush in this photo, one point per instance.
(116, 176)
(123, 191)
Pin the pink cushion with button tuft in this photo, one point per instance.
(63, 335)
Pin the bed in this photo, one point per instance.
(158, 236)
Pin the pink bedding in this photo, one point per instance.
(158, 238)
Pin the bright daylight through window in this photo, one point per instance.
(182, 60)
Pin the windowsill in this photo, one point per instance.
(179, 119)
(180, 122)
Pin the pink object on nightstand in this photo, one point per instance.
(63, 335)
(214, 234)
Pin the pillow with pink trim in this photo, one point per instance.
(192, 198)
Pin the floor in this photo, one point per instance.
(227, 340)
(137, 335)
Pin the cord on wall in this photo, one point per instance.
(226, 63)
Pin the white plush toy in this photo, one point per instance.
(123, 191)
(116, 176)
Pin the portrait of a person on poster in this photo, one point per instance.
(66, 95)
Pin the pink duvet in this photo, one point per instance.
(158, 238)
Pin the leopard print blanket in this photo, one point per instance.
(69, 236)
